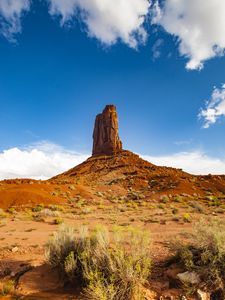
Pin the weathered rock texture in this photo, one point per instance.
(106, 139)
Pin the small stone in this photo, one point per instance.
(203, 295)
(163, 222)
(14, 249)
(189, 277)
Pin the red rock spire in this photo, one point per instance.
(106, 140)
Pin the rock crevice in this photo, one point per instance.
(106, 139)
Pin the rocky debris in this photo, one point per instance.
(203, 295)
(15, 249)
(189, 277)
(106, 140)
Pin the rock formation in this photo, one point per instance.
(106, 140)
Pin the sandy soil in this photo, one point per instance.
(23, 237)
(120, 190)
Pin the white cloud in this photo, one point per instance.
(11, 12)
(215, 107)
(156, 52)
(38, 161)
(195, 162)
(106, 20)
(199, 26)
(44, 160)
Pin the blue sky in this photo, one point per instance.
(61, 62)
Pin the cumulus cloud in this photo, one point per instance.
(215, 107)
(11, 12)
(199, 26)
(106, 20)
(195, 162)
(45, 160)
(38, 161)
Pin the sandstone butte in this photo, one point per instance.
(106, 139)
(110, 168)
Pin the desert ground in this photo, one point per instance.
(117, 190)
(165, 202)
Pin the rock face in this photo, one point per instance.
(106, 140)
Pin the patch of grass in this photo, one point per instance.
(219, 210)
(196, 206)
(11, 210)
(178, 199)
(46, 212)
(6, 287)
(205, 254)
(38, 208)
(58, 221)
(3, 214)
(213, 201)
(161, 206)
(187, 218)
(164, 199)
(55, 207)
(86, 210)
(107, 268)
(175, 211)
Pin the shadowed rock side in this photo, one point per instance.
(106, 139)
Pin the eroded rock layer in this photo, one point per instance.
(106, 139)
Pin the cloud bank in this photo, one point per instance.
(38, 161)
(195, 162)
(106, 20)
(199, 26)
(11, 12)
(44, 160)
(215, 107)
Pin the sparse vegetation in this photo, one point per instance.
(186, 218)
(46, 212)
(205, 255)
(58, 221)
(107, 268)
(11, 210)
(55, 207)
(3, 214)
(6, 287)
(38, 208)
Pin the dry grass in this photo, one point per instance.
(206, 254)
(108, 267)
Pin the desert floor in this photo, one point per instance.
(23, 235)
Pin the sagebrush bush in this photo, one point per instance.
(6, 287)
(206, 253)
(107, 266)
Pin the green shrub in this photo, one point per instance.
(38, 208)
(55, 207)
(107, 268)
(175, 211)
(11, 210)
(196, 206)
(186, 218)
(206, 253)
(6, 287)
(164, 199)
(58, 221)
